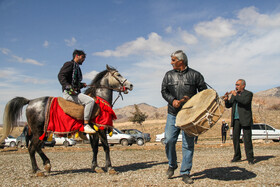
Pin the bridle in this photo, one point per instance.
(121, 89)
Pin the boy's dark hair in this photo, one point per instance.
(78, 52)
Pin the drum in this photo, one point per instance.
(200, 113)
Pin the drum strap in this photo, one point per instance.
(209, 86)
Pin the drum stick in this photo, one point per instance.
(185, 99)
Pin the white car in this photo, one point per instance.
(261, 131)
(10, 141)
(161, 138)
(118, 137)
(64, 141)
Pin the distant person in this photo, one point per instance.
(70, 77)
(26, 134)
(195, 139)
(224, 130)
(241, 118)
(180, 83)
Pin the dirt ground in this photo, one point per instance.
(144, 166)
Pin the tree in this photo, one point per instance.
(138, 116)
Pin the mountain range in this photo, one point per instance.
(273, 92)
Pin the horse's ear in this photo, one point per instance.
(107, 67)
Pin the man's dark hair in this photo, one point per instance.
(78, 52)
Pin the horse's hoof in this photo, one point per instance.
(98, 170)
(112, 171)
(39, 174)
(48, 167)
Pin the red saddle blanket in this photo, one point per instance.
(61, 123)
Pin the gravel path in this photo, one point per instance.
(143, 166)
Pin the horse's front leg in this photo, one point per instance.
(105, 145)
(94, 145)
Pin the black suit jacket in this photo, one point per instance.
(244, 101)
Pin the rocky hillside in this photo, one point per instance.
(273, 92)
(152, 112)
(269, 99)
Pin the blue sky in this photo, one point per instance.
(224, 40)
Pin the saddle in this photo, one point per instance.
(76, 110)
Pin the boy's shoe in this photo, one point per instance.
(88, 129)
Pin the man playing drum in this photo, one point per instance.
(178, 85)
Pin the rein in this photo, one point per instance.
(114, 89)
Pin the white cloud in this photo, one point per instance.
(5, 51)
(250, 16)
(16, 58)
(216, 29)
(169, 29)
(188, 38)
(6, 73)
(26, 61)
(90, 75)
(46, 44)
(11, 75)
(154, 45)
(34, 80)
(70, 42)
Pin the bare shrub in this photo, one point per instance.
(274, 107)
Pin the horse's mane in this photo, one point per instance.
(95, 83)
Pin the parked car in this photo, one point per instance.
(49, 143)
(119, 137)
(161, 138)
(10, 141)
(21, 141)
(261, 131)
(64, 141)
(139, 136)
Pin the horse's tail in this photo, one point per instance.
(12, 112)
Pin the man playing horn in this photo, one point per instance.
(178, 86)
(241, 118)
(70, 77)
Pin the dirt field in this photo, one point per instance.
(144, 166)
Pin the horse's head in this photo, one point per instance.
(117, 81)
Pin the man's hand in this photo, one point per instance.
(225, 97)
(82, 85)
(233, 92)
(176, 103)
(70, 90)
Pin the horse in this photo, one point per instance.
(102, 86)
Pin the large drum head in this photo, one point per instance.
(199, 113)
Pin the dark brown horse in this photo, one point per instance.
(102, 86)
